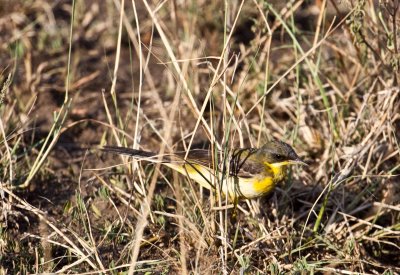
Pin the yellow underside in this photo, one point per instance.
(236, 187)
(263, 186)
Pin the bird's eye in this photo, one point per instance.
(278, 157)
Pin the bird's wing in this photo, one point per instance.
(245, 164)
(242, 162)
(204, 158)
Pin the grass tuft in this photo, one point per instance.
(169, 76)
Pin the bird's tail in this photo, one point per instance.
(139, 154)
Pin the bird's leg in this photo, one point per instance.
(235, 200)
(234, 211)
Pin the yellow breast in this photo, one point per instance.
(263, 186)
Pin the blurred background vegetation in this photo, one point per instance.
(320, 75)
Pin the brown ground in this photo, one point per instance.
(69, 207)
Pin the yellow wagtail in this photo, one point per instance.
(249, 173)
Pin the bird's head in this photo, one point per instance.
(277, 153)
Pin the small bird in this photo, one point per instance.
(248, 173)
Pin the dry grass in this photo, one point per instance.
(174, 75)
